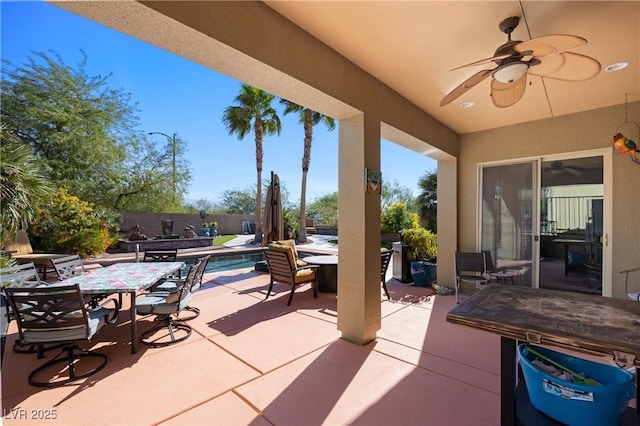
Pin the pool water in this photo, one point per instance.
(227, 262)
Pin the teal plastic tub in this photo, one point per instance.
(574, 403)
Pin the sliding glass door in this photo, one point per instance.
(572, 213)
(546, 220)
(508, 216)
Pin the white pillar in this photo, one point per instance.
(447, 220)
(359, 282)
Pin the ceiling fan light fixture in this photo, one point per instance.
(617, 66)
(510, 72)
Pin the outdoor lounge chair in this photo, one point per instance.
(58, 315)
(310, 226)
(283, 268)
(471, 267)
(292, 243)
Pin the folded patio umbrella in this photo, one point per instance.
(273, 220)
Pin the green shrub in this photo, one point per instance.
(423, 244)
(397, 217)
(71, 225)
(6, 261)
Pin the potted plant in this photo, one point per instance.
(204, 231)
(422, 255)
(213, 228)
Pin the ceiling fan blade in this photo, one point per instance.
(464, 86)
(547, 65)
(506, 94)
(546, 45)
(483, 61)
(567, 66)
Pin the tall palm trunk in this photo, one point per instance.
(259, 154)
(306, 160)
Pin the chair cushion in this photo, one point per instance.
(305, 275)
(291, 243)
(168, 285)
(158, 304)
(284, 249)
(96, 322)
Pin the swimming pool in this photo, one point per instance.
(227, 262)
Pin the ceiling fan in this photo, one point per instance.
(544, 56)
(558, 168)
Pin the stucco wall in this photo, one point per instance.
(576, 132)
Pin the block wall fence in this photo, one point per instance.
(151, 223)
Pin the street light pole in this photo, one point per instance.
(172, 141)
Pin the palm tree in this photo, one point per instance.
(309, 119)
(23, 184)
(253, 105)
(428, 200)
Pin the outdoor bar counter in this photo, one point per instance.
(594, 325)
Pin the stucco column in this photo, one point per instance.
(447, 220)
(359, 231)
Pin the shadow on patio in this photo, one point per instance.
(251, 361)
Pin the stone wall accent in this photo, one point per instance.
(152, 222)
(151, 244)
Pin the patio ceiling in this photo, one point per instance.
(412, 46)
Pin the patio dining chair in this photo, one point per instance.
(68, 266)
(72, 265)
(500, 274)
(58, 315)
(632, 289)
(283, 269)
(22, 276)
(167, 306)
(162, 255)
(470, 267)
(385, 259)
(173, 285)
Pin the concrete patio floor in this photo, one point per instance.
(253, 362)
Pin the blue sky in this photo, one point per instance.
(174, 95)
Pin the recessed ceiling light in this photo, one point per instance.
(617, 66)
(467, 104)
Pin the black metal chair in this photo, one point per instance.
(72, 265)
(497, 273)
(68, 266)
(632, 290)
(470, 267)
(58, 315)
(160, 255)
(23, 276)
(166, 306)
(385, 259)
(173, 285)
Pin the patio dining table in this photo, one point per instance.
(124, 278)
